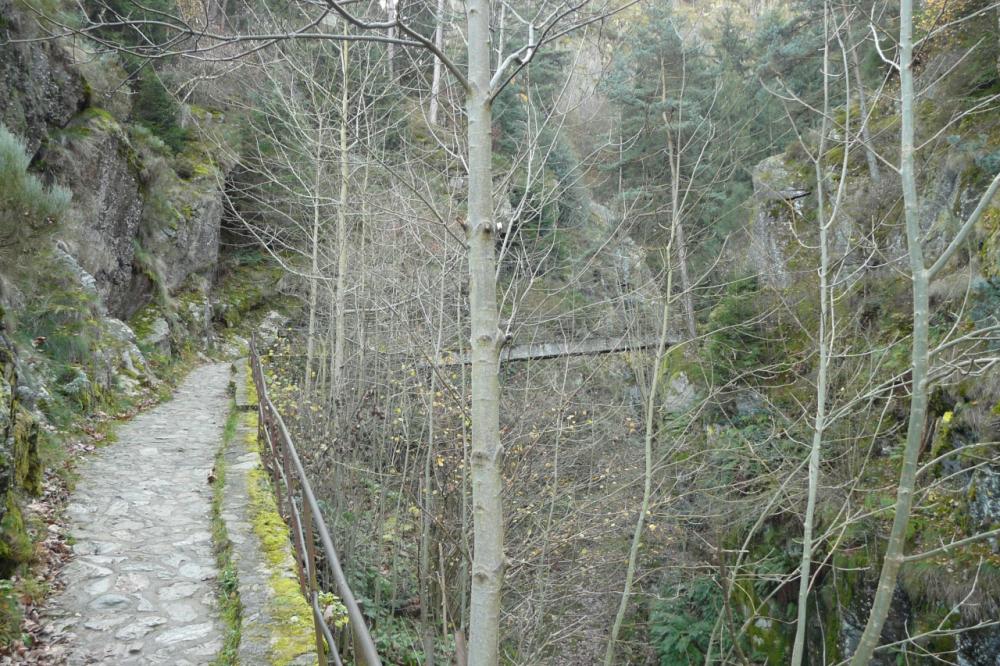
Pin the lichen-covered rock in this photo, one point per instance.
(945, 202)
(680, 394)
(131, 365)
(158, 336)
(190, 245)
(195, 313)
(984, 494)
(85, 279)
(97, 162)
(980, 647)
(15, 544)
(988, 234)
(778, 199)
(234, 347)
(271, 327)
(181, 222)
(77, 388)
(276, 624)
(41, 87)
(855, 615)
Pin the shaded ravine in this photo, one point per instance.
(142, 586)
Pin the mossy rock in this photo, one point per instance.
(16, 546)
(988, 232)
(24, 449)
(291, 623)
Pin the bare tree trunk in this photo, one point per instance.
(873, 169)
(426, 620)
(487, 561)
(341, 295)
(647, 483)
(313, 283)
(805, 568)
(392, 10)
(436, 79)
(687, 295)
(894, 553)
(464, 582)
(676, 226)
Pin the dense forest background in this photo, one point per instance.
(718, 188)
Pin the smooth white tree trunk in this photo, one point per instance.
(894, 553)
(438, 66)
(819, 425)
(486, 454)
(340, 299)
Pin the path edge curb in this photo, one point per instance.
(276, 621)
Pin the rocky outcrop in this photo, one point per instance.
(136, 226)
(193, 248)
(41, 89)
(182, 232)
(96, 161)
(779, 196)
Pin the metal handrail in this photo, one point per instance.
(288, 474)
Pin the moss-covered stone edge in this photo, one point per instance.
(292, 630)
(230, 604)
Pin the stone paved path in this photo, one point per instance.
(142, 587)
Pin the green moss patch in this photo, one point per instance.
(230, 605)
(292, 628)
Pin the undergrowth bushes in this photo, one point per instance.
(27, 205)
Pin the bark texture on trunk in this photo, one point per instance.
(486, 454)
(819, 425)
(313, 280)
(438, 66)
(676, 223)
(647, 479)
(340, 298)
(894, 554)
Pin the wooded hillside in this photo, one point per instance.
(609, 332)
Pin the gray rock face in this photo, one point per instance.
(158, 336)
(778, 198)
(271, 326)
(984, 505)
(192, 247)
(85, 279)
(107, 209)
(856, 614)
(41, 88)
(680, 394)
(96, 160)
(979, 648)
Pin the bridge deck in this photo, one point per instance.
(541, 350)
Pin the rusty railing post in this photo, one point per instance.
(307, 519)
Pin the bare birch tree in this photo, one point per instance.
(920, 380)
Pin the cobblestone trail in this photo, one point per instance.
(142, 587)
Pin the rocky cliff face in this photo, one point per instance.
(20, 468)
(41, 88)
(96, 158)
